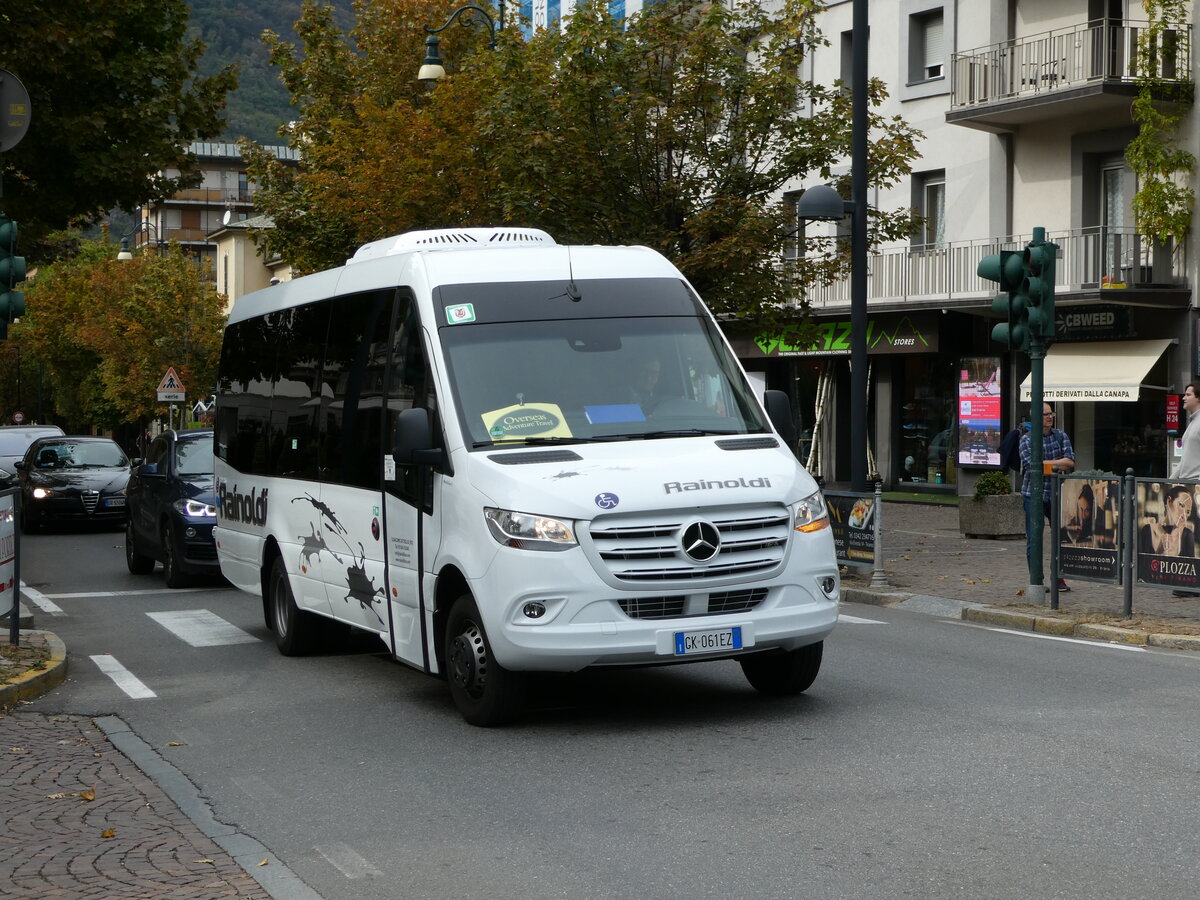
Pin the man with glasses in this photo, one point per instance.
(1057, 455)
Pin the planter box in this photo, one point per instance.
(1001, 516)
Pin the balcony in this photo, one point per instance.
(1088, 70)
(208, 197)
(1112, 264)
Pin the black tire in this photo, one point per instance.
(297, 632)
(172, 565)
(138, 563)
(786, 673)
(485, 692)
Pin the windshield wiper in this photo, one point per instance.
(525, 441)
(684, 432)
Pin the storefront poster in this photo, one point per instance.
(852, 517)
(1089, 513)
(1166, 534)
(979, 410)
(8, 552)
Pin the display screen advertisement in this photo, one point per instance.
(852, 518)
(979, 411)
(1166, 534)
(1089, 522)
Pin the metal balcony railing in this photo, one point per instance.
(1088, 258)
(1104, 50)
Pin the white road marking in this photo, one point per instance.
(1098, 645)
(41, 601)
(123, 678)
(163, 590)
(201, 628)
(347, 861)
(855, 620)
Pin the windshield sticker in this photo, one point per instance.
(460, 313)
(514, 423)
(607, 501)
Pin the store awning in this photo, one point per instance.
(1108, 370)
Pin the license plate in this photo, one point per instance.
(688, 643)
(114, 501)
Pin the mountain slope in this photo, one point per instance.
(232, 32)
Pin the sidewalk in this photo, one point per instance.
(927, 559)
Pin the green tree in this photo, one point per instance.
(105, 330)
(115, 100)
(677, 128)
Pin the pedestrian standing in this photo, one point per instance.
(1058, 455)
(1189, 461)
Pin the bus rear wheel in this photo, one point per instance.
(785, 673)
(485, 693)
(296, 631)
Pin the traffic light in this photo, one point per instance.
(12, 273)
(1006, 268)
(1038, 265)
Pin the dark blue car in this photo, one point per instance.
(172, 509)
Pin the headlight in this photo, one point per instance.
(40, 493)
(529, 532)
(195, 508)
(812, 514)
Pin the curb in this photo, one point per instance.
(36, 682)
(1021, 621)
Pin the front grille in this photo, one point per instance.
(714, 604)
(90, 499)
(643, 548)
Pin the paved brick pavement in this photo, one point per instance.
(926, 555)
(79, 819)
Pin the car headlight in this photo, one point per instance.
(41, 493)
(195, 508)
(812, 514)
(529, 532)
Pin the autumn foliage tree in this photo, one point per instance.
(105, 330)
(677, 128)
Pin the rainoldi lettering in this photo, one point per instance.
(678, 487)
(235, 507)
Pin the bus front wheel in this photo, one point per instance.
(783, 674)
(485, 692)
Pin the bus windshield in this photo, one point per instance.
(586, 379)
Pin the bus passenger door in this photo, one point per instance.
(409, 493)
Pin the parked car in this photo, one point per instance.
(76, 480)
(14, 441)
(172, 509)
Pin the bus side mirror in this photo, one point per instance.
(412, 440)
(779, 409)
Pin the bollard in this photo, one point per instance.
(878, 576)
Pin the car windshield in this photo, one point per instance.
(79, 454)
(580, 379)
(194, 456)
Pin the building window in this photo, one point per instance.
(930, 201)
(795, 235)
(927, 48)
(847, 62)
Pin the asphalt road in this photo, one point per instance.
(931, 757)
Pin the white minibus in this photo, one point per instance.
(506, 456)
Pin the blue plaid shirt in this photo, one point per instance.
(1055, 445)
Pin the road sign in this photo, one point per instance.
(18, 418)
(170, 389)
(14, 110)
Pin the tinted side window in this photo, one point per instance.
(157, 453)
(294, 442)
(409, 386)
(244, 387)
(352, 389)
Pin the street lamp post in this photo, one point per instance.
(431, 67)
(143, 224)
(822, 203)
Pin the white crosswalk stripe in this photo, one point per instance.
(123, 678)
(855, 620)
(201, 628)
